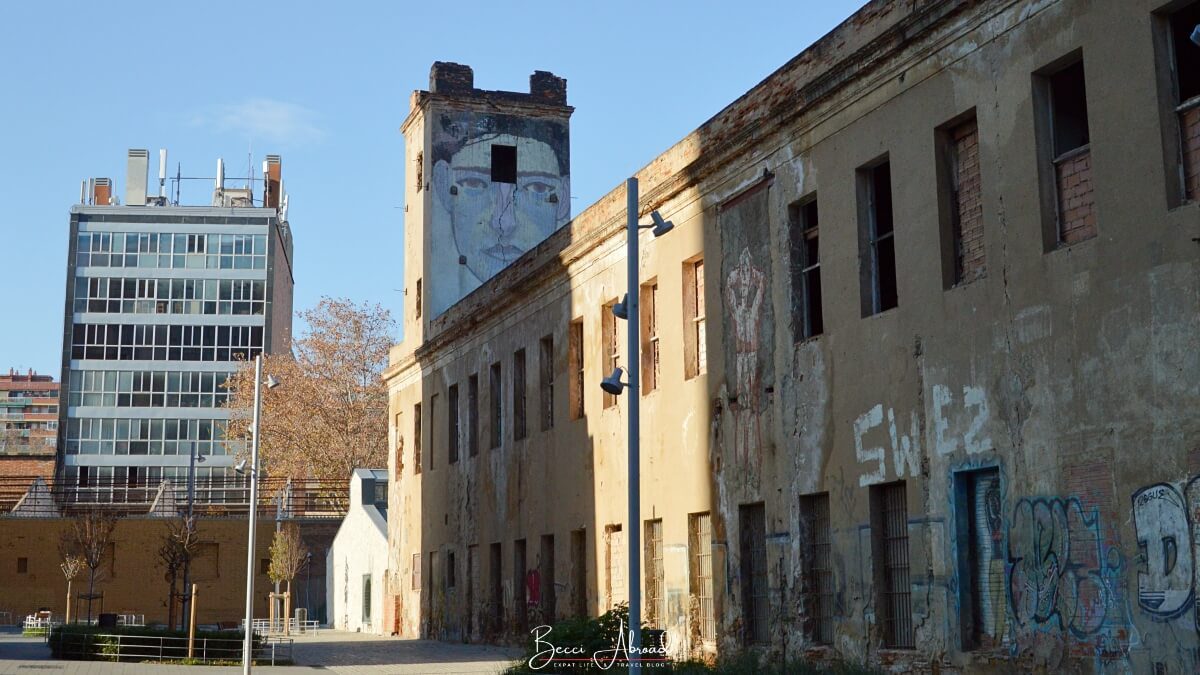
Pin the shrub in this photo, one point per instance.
(139, 643)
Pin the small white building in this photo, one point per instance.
(357, 561)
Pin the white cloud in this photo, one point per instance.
(263, 119)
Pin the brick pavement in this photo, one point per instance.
(331, 651)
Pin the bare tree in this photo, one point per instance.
(176, 547)
(89, 538)
(70, 567)
(288, 556)
(330, 415)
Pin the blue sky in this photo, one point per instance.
(326, 86)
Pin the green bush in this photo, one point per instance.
(592, 635)
(139, 643)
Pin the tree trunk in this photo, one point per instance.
(67, 618)
(287, 609)
(91, 591)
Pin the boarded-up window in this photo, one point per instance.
(399, 436)
(496, 431)
(416, 571)
(452, 426)
(473, 415)
(575, 353)
(700, 577)
(520, 597)
(416, 438)
(614, 566)
(817, 568)
(433, 401)
(451, 570)
(612, 350)
(519, 426)
(579, 573)
(496, 581)
(980, 557)
(546, 380)
(656, 592)
(695, 349)
(650, 347)
(756, 613)
(889, 551)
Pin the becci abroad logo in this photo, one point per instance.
(547, 653)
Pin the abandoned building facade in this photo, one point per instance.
(944, 415)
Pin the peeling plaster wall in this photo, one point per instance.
(1071, 371)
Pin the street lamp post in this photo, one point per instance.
(248, 645)
(628, 310)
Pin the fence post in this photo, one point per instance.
(204, 650)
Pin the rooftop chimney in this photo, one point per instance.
(135, 177)
(451, 78)
(102, 192)
(272, 181)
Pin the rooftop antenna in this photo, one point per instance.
(250, 166)
(162, 174)
(178, 180)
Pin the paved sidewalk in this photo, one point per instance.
(329, 651)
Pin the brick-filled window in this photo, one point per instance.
(807, 315)
(978, 552)
(960, 202)
(452, 423)
(756, 612)
(575, 354)
(614, 560)
(497, 406)
(546, 381)
(1185, 75)
(433, 448)
(695, 350)
(416, 438)
(816, 564)
(700, 576)
(520, 428)
(416, 571)
(876, 239)
(648, 306)
(473, 415)
(1063, 123)
(656, 592)
(610, 342)
(889, 553)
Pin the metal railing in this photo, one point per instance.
(277, 627)
(117, 647)
(214, 497)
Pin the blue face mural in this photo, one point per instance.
(501, 185)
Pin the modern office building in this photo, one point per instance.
(28, 424)
(163, 301)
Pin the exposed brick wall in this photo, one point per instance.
(27, 465)
(1189, 124)
(970, 263)
(1076, 202)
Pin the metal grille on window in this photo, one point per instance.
(655, 592)
(897, 600)
(817, 568)
(755, 595)
(700, 546)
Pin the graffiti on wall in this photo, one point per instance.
(749, 318)
(486, 214)
(905, 445)
(1065, 584)
(1165, 523)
